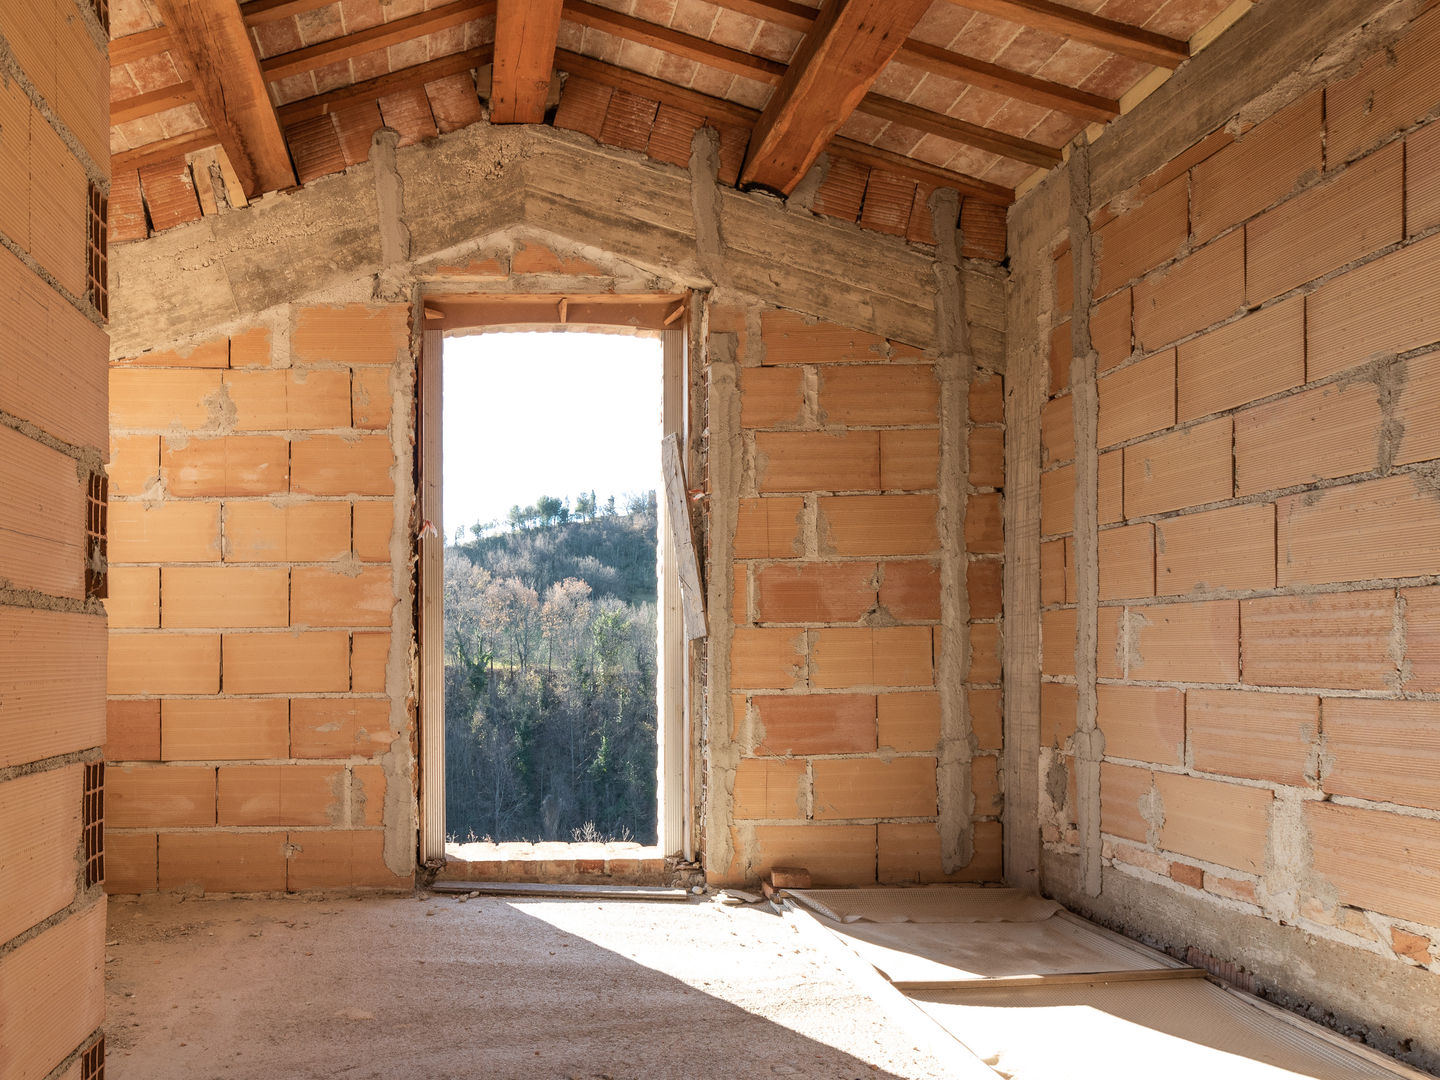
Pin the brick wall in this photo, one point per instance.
(53, 158)
(1264, 320)
(836, 722)
(256, 738)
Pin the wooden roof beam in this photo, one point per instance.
(376, 88)
(131, 47)
(525, 34)
(1144, 45)
(841, 57)
(157, 101)
(256, 12)
(213, 47)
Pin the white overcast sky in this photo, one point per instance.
(531, 414)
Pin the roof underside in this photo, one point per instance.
(903, 96)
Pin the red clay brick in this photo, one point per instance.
(909, 721)
(1196, 642)
(1054, 574)
(987, 457)
(232, 465)
(134, 597)
(130, 863)
(1137, 400)
(766, 659)
(1057, 500)
(339, 727)
(1209, 285)
(816, 592)
(770, 788)
(370, 399)
(871, 788)
(1422, 637)
(1057, 630)
(886, 656)
(1112, 487)
(351, 334)
(321, 597)
(1360, 851)
(816, 723)
(315, 662)
(987, 398)
(834, 854)
(1417, 407)
(336, 858)
(280, 400)
(1143, 238)
(910, 460)
(1389, 93)
(52, 989)
(911, 853)
(768, 528)
(1262, 354)
(1110, 329)
(1229, 548)
(986, 718)
(984, 583)
(816, 461)
(879, 395)
(1258, 736)
(985, 644)
(771, 397)
(134, 463)
(1057, 713)
(1317, 434)
(1422, 180)
(132, 730)
(911, 590)
(156, 663)
(1143, 723)
(224, 596)
(1057, 430)
(222, 862)
(1337, 640)
(163, 400)
(41, 812)
(297, 532)
(791, 338)
(1376, 529)
(337, 465)
(369, 655)
(858, 525)
(213, 729)
(280, 794)
(147, 796)
(1127, 562)
(1388, 751)
(1121, 790)
(984, 524)
(1218, 822)
(54, 683)
(1179, 469)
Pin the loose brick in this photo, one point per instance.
(52, 991)
(1229, 548)
(987, 398)
(232, 465)
(1388, 305)
(910, 460)
(889, 656)
(341, 858)
(1258, 170)
(769, 788)
(1262, 354)
(1326, 227)
(320, 597)
(1337, 640)
(295, 532)
(1419, 404)
(311, 662)
(1127, 562)
(1422, 180)
(158, 663)
(1362, 853)
(1218, 822)
(134, 463)
(134, 597)
(1057, 713)
(1411, 946)
(1388, 94)
(147, 796)
(42, 831)
(1376, 529)
(1196, 642)
(1143, 723)
(853, 525)
(1208, 286)
(1137, 400)
(199, 729)
(1422, 637)
(1318, 434)
(766, 659)
(816, 461)
(834, 854)
(871, 788)
(1057, 632)
(222, 862)
(909, 721)
(879, 395)
(1122, 790)
(1057, 430)
(984, 582)
(910, 591)
(1388, 751)
(984, 524)
(1179, 469)
(224, 596)
(132, 730)
(336, 465)
(164, 400)
(1110, 329)
(791, 338)
(351, 334)
(1258, 736)
(1057, 500)
(280, 794)
(130, 863)
(339, 727)
(816, 592)
(369, 657)
(911, 853)
(1143, 238)
(771, 397)
(768, 528)
(169, 532)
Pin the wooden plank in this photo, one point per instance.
(1083, 978)
(132, 47)
(157, 101)
(213, 46)
(837, 63)
(702, 51)
(646, 311)
(1117, 37)
(175, 146)
(672, 653)
(545, 888)
(432, 615)
(947, 127)
(961, 68)
(349, 46)
(678, 519)
(383, 85)
(525, 33)
(263, 11)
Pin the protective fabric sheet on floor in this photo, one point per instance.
(1182, 1030)
(941, 904)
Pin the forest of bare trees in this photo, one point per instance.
(550, 668)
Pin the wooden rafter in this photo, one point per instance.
(157, 101)
(947, 127)
(851, 42)
(173, 147)
(525, 33)
(256, 12)
(132, 47)
(213, 48)
(349, 46)
(378, 87)
(1117, 37)
(731, 112)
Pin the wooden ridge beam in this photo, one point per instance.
(173, 147)
(709, 53)
(525, 36)
(372, 89)
(213, 47)
(851, 42)
(947, 127)
(157, 101)
(349, 46)
(1144, 45)
(132, 47)
(1001, 80)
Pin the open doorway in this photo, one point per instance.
(551, 467)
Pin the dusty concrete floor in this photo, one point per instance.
(441, 988)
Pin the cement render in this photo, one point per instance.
(442, 988)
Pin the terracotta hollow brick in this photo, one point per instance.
(158, 663)
(910, 459)
(150, 796)
(1229, 548)
(1375, 529)
(1258, 736)
(321, 597)
(224, 596)
(817, 461)
(1137, 400)
(337, 465)
(1123, 790)
(1337, 640)
(1179, 469)
(231, 465)
(1195, 642)
(1200, 291)
(309, 662)
(1388, 751)
(1327, 432)
(791, 338)
(1358, 852)
(169, 532)
(132, 730)
(295, 532)
(816, 592)
(872, 788)
(222, 862)
(908, 721)
(769, 788)
(280, 794)
(877, 395)
(766, 659)
(1143, 723)
(856, 525)
(1218, 822)
(339, 727)
(768, 528)
(351, 334)
(910, 590)
(201, 729)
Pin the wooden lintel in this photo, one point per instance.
(349, 46)
(837, 63)
(709, 53)
(173, 147)
(640, 311)
(525, 35)
(212, 46)
(947, 127)
(157, 101)
(371, 89)
(132, 47)
(1001, 80)
(1144, 45)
